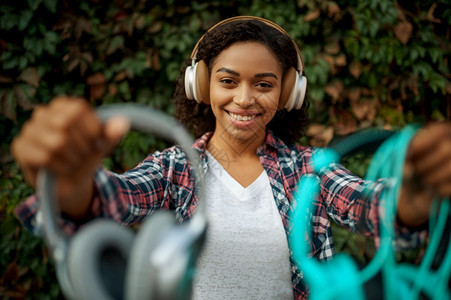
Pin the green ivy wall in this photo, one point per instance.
(369, 63)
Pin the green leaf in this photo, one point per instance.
(435, 54)
(23, 61)
(24, 94)
(29, 43)
(437, 83)
(25, 18)
(51, 37)
(172, 70)
(51, 5)
(372, 80)
(124, 90)
(34, 4)
(10, 63)
(9, 21)
(116, 43)
(421, 69)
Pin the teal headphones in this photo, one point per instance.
(105, 260)
(341, 278)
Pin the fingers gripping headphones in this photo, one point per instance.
(294, 83)
(105, 260)
(383, 277)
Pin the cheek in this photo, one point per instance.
(217, 95)
(270, 113)
(218, 98)
(270, 101)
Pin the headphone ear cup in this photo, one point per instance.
(203, 82)
(293, 91)
(197, 83)
(163, 258)
(142, 277)
(97, 260)
(189, 82)
(302, 85)
(289, 82)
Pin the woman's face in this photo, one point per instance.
(245, 88)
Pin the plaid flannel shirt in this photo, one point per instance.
(163, 181)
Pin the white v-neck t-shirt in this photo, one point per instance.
(246, 252)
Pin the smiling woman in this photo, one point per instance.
(244, 87)
(288, 124)
(245, 90)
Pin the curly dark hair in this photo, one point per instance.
(289, 126)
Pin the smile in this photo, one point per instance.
(242, 118)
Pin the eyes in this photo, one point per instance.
(231, 83)
(226, 81)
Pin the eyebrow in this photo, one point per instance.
(268, 74)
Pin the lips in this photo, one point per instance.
(243, 117)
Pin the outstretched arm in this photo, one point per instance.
(68, 139)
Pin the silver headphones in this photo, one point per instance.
(105, 260)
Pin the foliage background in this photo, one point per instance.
(369, 63)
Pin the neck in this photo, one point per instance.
(222, 145)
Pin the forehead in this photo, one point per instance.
(249, 56)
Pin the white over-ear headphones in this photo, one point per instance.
(294, 83)
(105, 260)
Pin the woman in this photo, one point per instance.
(245, 131)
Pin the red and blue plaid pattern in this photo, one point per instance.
(163, 181)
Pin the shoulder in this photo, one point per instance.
(288, 150)
(291, 158)
(168, 156)
(174, 161)
(177, 154)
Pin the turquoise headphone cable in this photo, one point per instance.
(340, 278)
(433, 284)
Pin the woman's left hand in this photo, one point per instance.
(427, 173)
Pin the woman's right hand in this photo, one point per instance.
(68, 139)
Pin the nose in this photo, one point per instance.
(245, 96)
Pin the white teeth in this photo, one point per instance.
(242, 118)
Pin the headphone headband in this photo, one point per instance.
(300, 62)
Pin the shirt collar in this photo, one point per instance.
(271, 143)
(201, 144)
